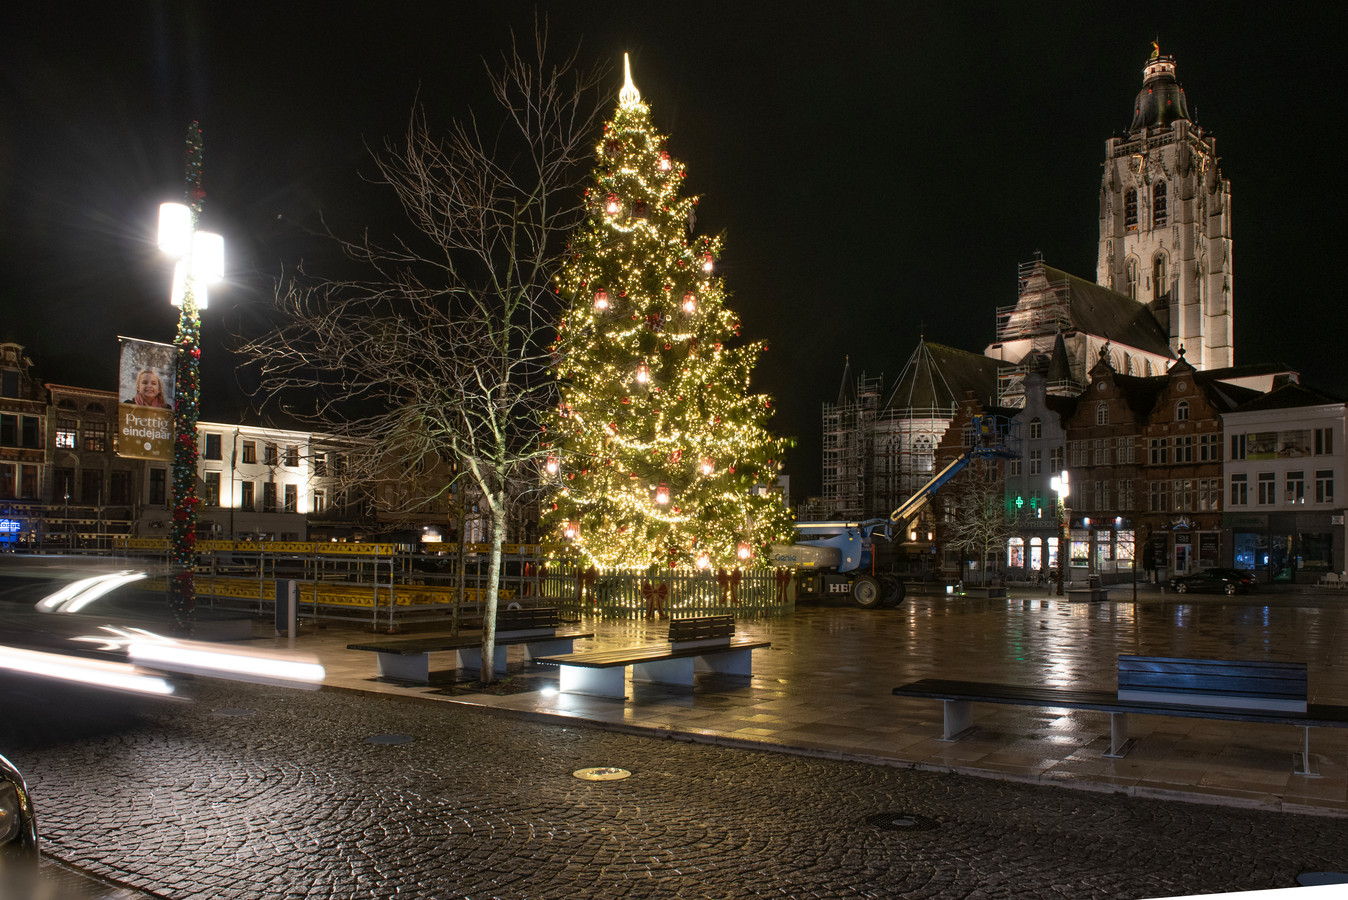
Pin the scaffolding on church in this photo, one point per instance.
(1042, 311)
(848, 431)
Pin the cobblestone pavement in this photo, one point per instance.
(255, 791)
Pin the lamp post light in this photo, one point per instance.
(200, 260)
(1059, 484)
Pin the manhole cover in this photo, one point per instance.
(601, 773)
(234, 712)
(1312, 879)
(901, 821)
(390, 739)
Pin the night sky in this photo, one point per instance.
(878, 174)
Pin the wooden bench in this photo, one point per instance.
(538, 629)
(1269, 692)
(696, 644)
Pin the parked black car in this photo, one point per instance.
(18, 826)
(1245, 575)
(1211, 581)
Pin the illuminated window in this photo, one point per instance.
(96, 436)
(65, 433)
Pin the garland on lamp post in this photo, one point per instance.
(183, 528)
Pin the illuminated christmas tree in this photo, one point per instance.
(657, 443)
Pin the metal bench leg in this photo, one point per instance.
(405, 668)
(665, 671)
(959, 719)
(554, 647)
(471, 659)
(1119, 741)
(600, 682)
(1301, 762)
(731, 662)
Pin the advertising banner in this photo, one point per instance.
(146, 387)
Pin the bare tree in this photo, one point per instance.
(436, 360)
(976, 521)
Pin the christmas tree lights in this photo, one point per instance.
(660, 441)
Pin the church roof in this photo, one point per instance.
(1161, 100)
(940, 377)
(1095, 309)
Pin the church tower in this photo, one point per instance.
(1165, 221)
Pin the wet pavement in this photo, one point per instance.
(372, 789)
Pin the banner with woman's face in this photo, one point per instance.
(146, 388)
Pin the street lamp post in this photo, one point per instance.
(1058, 483)
(200, 261)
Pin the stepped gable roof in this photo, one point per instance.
(1095, 309)
(940, 377)
(1288, 396)
(1161, 100)
(1140, 392)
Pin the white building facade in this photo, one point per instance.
(1284, 474)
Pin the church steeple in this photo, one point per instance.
(1165, 220)
(1161, 100)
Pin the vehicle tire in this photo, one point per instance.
(1181, 588)
(891, 591)
(866, 592)
(1230, 589)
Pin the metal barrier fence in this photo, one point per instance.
(388, 585)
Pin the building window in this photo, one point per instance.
(1182, 411)
(320, 464)
(1158, 214)
(250, 451)
(1183, 495)
(212, 497)
(1126, 455)
(269, 497)
(9, 384)
(1158, 278)
(272, 455)
(1240, 490)
(1055, 458)
(1324, 441)
(91, 486)
(66, 429)
(1296, 487)
(28, 482)
(212, 450)
(1102, 413)
(1268, 488)
(1324, 486)
(158, 487)
(1101, 494)
(1160, 496)
(292, 498)
(1160, 453)
(96, 436)
(320, 501)
(1125, 494)
(292, 456)
(20, 431)
(1237, 446)
(246, 495)
(119, 488)
(1036, 429)
(1209, 447)
(1209, 494)
(1036, 462)
(1130, 209)
(1013, 467)
(1184, 449)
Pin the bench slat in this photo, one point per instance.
(605, 659)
